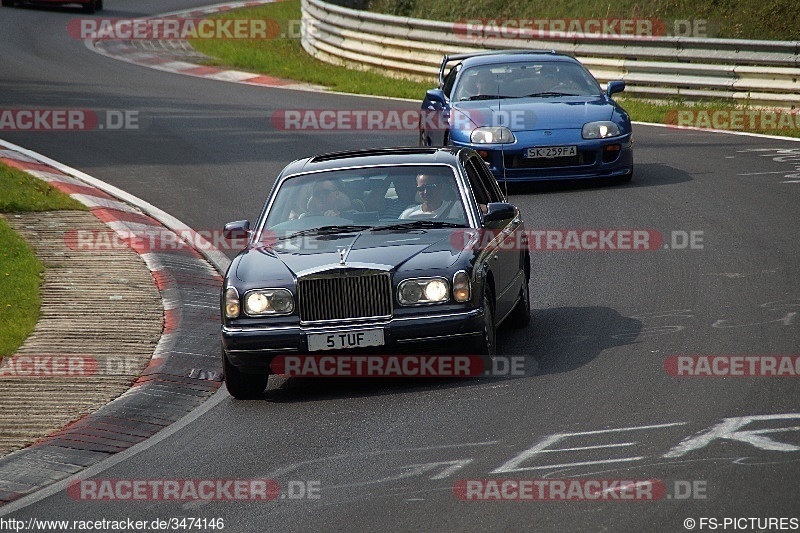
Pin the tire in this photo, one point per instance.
(98, 5)
(488, 342)
(521, 314)
(8, 3)
(240, 385)
(89, 8)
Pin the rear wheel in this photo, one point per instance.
(89, 8)
(8, 3)
(240, 385)
(98, 5)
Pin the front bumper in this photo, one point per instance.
(593, 160)
(252, 350)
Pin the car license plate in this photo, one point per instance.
(550, 152)
(345, 339)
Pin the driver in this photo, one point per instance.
(325, 200)
(478, 84)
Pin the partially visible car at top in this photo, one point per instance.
(379, 243)
(88, 6)
(531, 116)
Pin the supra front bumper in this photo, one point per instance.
(253, 349)
(593, 160)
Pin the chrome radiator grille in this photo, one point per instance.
(345, 297)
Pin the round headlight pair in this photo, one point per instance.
(423, 291)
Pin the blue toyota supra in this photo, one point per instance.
(531, 115)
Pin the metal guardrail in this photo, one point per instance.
(765, 73)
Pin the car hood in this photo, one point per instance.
(406, 250)
(526, 114)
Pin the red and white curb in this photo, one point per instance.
(180, 378)
(125, 51)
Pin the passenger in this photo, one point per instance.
(430, 189)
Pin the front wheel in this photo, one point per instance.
(488, 345)
(240, 385)
(521, 314)
(8, 3)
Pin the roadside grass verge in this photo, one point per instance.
(734, 19)
(286, 58)
(20, 270)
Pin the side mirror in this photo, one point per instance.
(496, 211)
(237, 230)
(616, 86)
(435, 95)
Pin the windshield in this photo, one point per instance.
(525, 79)
(365, 198)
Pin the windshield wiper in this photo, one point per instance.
(420, 224)
(548, 93)
(487, 97)
(325, 230)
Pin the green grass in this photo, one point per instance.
(735, 19)
(19, 191)
(286, 58)
(20, 270)
(20, 275)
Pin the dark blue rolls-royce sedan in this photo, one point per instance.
(385, 251)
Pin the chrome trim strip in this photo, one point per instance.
(350, 326)
(438, 337)
(265, 350)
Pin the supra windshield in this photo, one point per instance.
(525, 79)
(365, 198)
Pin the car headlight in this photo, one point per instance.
(599, 130)
(492, 135)
(232, 306)
(461, 287)
(420, 291)
(268, 302)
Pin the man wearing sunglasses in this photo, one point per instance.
(430, 189)
(326, 200)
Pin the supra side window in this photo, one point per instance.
(450, 79)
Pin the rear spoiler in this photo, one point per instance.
(460, 57)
